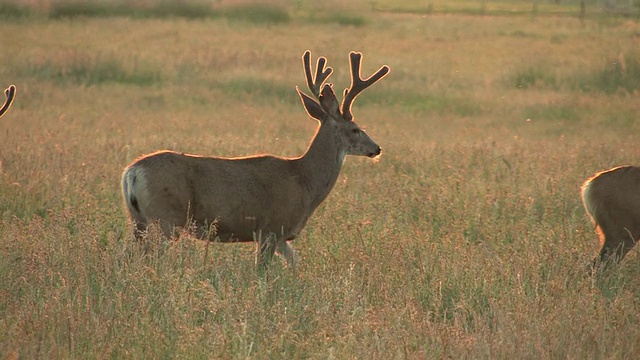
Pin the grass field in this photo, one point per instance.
(466, 240)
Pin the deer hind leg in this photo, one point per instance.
(284, 249)
(169, 230)
(172, 222)
(617, 243)
(139, 229)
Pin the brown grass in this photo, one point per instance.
(467, 239)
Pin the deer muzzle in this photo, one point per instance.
(375, 153)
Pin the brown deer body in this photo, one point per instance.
(612, 200)
(262, 198)
(10, 94)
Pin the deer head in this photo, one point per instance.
(352, 140)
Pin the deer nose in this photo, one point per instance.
(376, 152)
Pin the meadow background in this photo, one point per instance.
(466, 240)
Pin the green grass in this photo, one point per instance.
(164, 9)
(252, 13)
(90, 70)
(616, 73)
(552, 113)
(257, 90)
(257, 14)
(510, 8)
(620, 73)
(466, 240)
(532, 78)
(10, 10)
(353, 14)
(339, 17)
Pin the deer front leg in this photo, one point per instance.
(284, 249)
(265, 248)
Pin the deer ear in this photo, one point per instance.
(329, 102)
(313, 108)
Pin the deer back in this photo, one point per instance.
(241, 195)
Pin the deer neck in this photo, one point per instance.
(321, 164)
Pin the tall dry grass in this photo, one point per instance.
(467, 239)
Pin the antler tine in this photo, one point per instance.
(10, 94)
(357, 83)
(315, 82)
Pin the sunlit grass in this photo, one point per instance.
(466, 240)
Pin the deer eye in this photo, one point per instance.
(356, 131)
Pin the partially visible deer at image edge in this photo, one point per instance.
(612, 200)
(262, 198)
(10, 94)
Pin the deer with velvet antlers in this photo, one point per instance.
(263, 198)
(10, 94)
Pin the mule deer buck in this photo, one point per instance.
(261, 198)
(612, 200)
(10, 94)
